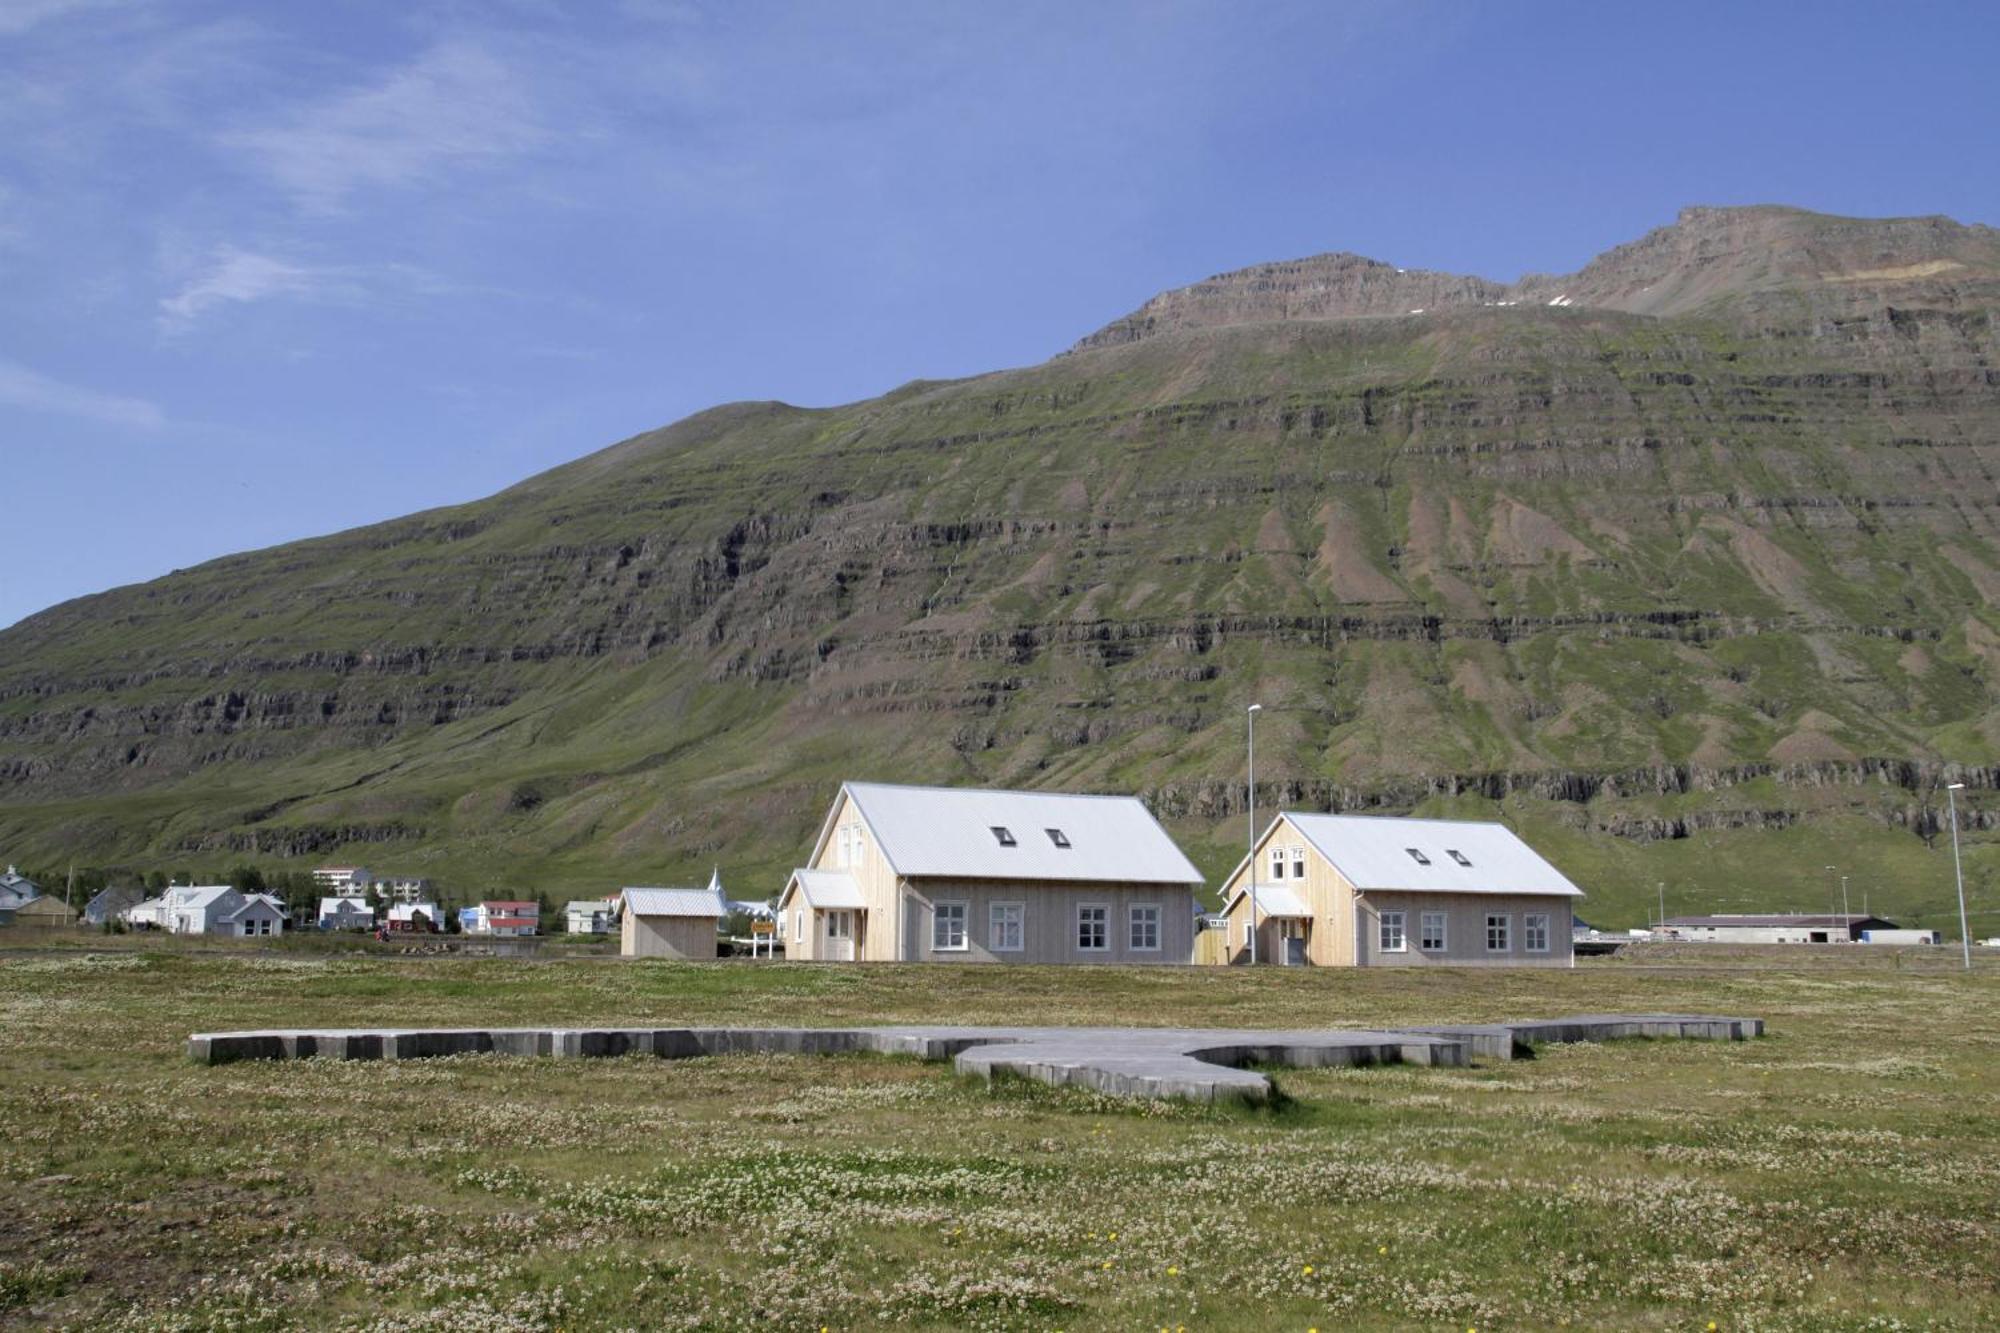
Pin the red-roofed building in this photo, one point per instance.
(501, 917)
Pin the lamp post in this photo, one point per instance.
(1958, 869)
(1831, 871)
(1843, 896)
(1661, 924)
(1251, 715)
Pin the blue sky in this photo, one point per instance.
(273, 270)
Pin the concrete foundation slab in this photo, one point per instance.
(1196, 1064)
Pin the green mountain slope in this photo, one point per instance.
(1695, 577)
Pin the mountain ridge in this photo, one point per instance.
(1678, 593)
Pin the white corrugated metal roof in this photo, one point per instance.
(949, 831)
(1272, 900)
(829, 888)
(672, 902)
(1373, 852)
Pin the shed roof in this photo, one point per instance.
(1374, 853)
(825, 889)
(951, 832)
(672, 902)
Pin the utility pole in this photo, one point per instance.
(1251, 714)
(1958, 870)
(1843, 896)
(1831, 871)
(1661, 924)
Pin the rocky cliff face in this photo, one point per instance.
(1491, 558)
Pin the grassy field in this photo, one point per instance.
(1843, 1172)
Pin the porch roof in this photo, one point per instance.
(1273, 900)
(825, 889)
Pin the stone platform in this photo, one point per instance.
(1199, 1064)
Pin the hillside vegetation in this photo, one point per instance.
(1694, 578)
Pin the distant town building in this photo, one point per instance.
(345, 913)
(505, 916)
(669, 923)
(111, 904)
(1377, 891)
(1887, 936)
(16, 892)
(590, 916)
(1772, 928)
(403, 889)
(419, 918)
(46, 911)
(211, 909)
(344, 881)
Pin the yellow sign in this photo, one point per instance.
(763, 928)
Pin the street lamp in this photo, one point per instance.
(1831, 871)
(1958, 869)
(1251, 715)
(1662, 923)
(1843, 896)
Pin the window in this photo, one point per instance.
(1535, 932)
(1499, 929)
(1431, 940)
(1248, 931)
(948, 926)
(839, 925)
(1003, 835)
(1058, 837)
(1392, 936)
(1142, 922)
(1277, 863)
(1004, 924)
(799, 926)
(1298, 863)
(1458, 856)
(1418, 856)
(1093, 927)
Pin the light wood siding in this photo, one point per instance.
(1049, 924)
(667, 936)
(1326, 892)
(876, 935)
(1465, 929)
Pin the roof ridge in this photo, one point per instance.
(994, 791)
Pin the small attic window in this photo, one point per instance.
(1418, 856)
(1458, 856)
(1003, 835)
(1058, 837)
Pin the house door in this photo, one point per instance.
(840, 936)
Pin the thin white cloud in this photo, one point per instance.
(236, 276)
(17, 16)
(30, 389)
(456, 106)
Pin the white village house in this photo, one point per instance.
(345, 913)
(16, 892)
(590, 916)
(1376, 891)
(210, 909)
(941, 874)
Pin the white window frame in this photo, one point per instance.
(1249, 930)
(1506, 922)
(1399, 919)
(1425, 921)
(1103, 911)
(995, 924)
(1136, 912)
(1298, 863)
(1528, 927)
(840, 924)
(1278, 859)
(798, 925)
(962, 910)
